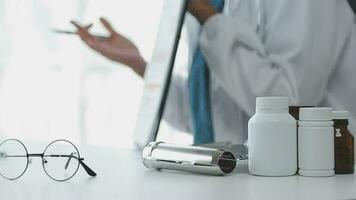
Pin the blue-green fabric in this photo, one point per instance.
(199, 97)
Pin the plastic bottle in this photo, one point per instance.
(316, 142)
(272, 138)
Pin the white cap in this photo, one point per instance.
(272, 103)
(315, 114)
(344, 114)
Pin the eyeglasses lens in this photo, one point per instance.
(13, 159)
(61, 160)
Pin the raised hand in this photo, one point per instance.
(116, 47)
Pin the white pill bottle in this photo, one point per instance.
(316, 142)
(272, 138)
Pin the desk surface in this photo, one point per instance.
(121, 175)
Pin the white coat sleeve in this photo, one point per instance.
(176, 111)
(248, 64)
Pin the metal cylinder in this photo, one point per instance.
(158, 155)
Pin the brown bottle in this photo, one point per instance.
(344, 144)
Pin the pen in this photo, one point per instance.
(74, 33)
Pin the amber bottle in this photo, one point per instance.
(344, 144)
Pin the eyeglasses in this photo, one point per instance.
(60, 160)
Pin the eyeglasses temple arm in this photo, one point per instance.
(68, 161)
(86, 168)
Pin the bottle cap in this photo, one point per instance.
(344, 114)
(315, 114)
(272, 103)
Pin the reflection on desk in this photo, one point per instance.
(121, 175)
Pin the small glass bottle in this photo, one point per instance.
(344, 144)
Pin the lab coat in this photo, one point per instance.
(305, 50)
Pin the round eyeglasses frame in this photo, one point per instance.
(89, 171)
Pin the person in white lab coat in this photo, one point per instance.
(303, 49)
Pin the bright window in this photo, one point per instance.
(52, 86)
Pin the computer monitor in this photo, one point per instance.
(159, 71)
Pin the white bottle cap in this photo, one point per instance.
(315, 114)
(344, 114)
(272, 103)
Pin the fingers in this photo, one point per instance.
(96, 43)
(81, 31)
(81, 28)
(76, 25)
(108, 26)
(84, 34)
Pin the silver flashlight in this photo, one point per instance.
(159, 155)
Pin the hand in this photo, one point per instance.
(116, 47)
(201, 9)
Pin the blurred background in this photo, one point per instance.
(52, 86)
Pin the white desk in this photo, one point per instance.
(121, 175)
